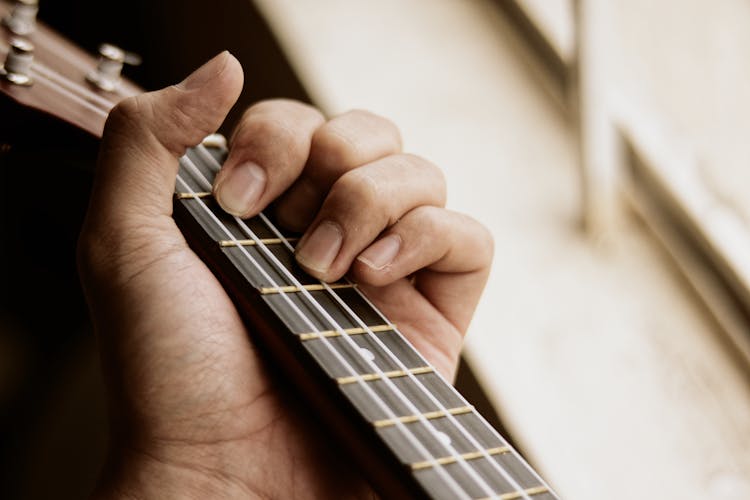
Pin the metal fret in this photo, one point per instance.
(446, 396)
(192, 196)
(347, 331)
(515, 495)
(465, 456)
(197, 206)
(279, 303)
(360, 348)
(310, 288)
(367, 377)
(438, 419)
(407, 419)
(249, 243)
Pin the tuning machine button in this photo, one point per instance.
(17, 66)
(22, 19)
(106, 76)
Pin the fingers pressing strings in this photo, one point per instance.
(346, 181)
(360, 205)
(141, 179)
(269, 149)
(342, 144)
(449, 252)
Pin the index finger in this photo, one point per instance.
(268, 151)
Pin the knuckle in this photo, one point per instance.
(333, 149)
(127, 113)
(432, 177)
(357, 188)
(361, 114)
(269, 139)
(426, 167)
(187, 116)
(281, 105)
(274, 130)
(487, 242)
(371, 122)
(274, 115)
(429, 220)
(438, 182)
(174, 126)
(354, 138)
(436, 222)
(267, 131)
(483, 242)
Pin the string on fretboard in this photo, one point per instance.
(455, 447)
(450, 450)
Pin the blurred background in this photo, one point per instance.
(603, 142)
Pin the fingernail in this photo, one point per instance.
(382, 252)
(319, 250)
(205, 73)
(240, 189)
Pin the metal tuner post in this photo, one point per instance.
(106, 76)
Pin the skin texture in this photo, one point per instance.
(194, 413)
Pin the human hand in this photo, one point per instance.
(193, 410)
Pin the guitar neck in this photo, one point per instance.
(412, 433)
(434, 441)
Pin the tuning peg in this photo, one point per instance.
(106, 76)
(17, 66)
(22, 19)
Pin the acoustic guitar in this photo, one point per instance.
(412, 434)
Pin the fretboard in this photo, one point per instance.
(354, 363)
(412, 433)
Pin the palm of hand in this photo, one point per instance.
(194, 381)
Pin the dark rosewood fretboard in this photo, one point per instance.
(411, 432)
(442, 446)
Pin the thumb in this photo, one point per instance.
(145, 136)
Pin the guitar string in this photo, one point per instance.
(40, 79)
(453, 420)
(66, 82)
(474, 411)
(449, 416)
(399, 393)
(335, 325)
(438, 467)
(368, 331)
(452, 483)
(65, 86)
(51, 74)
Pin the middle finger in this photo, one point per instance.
(360, 205)
(345, 142)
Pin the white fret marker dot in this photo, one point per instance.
(369, 356)
(444, 438)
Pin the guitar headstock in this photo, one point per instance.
(46, 72)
